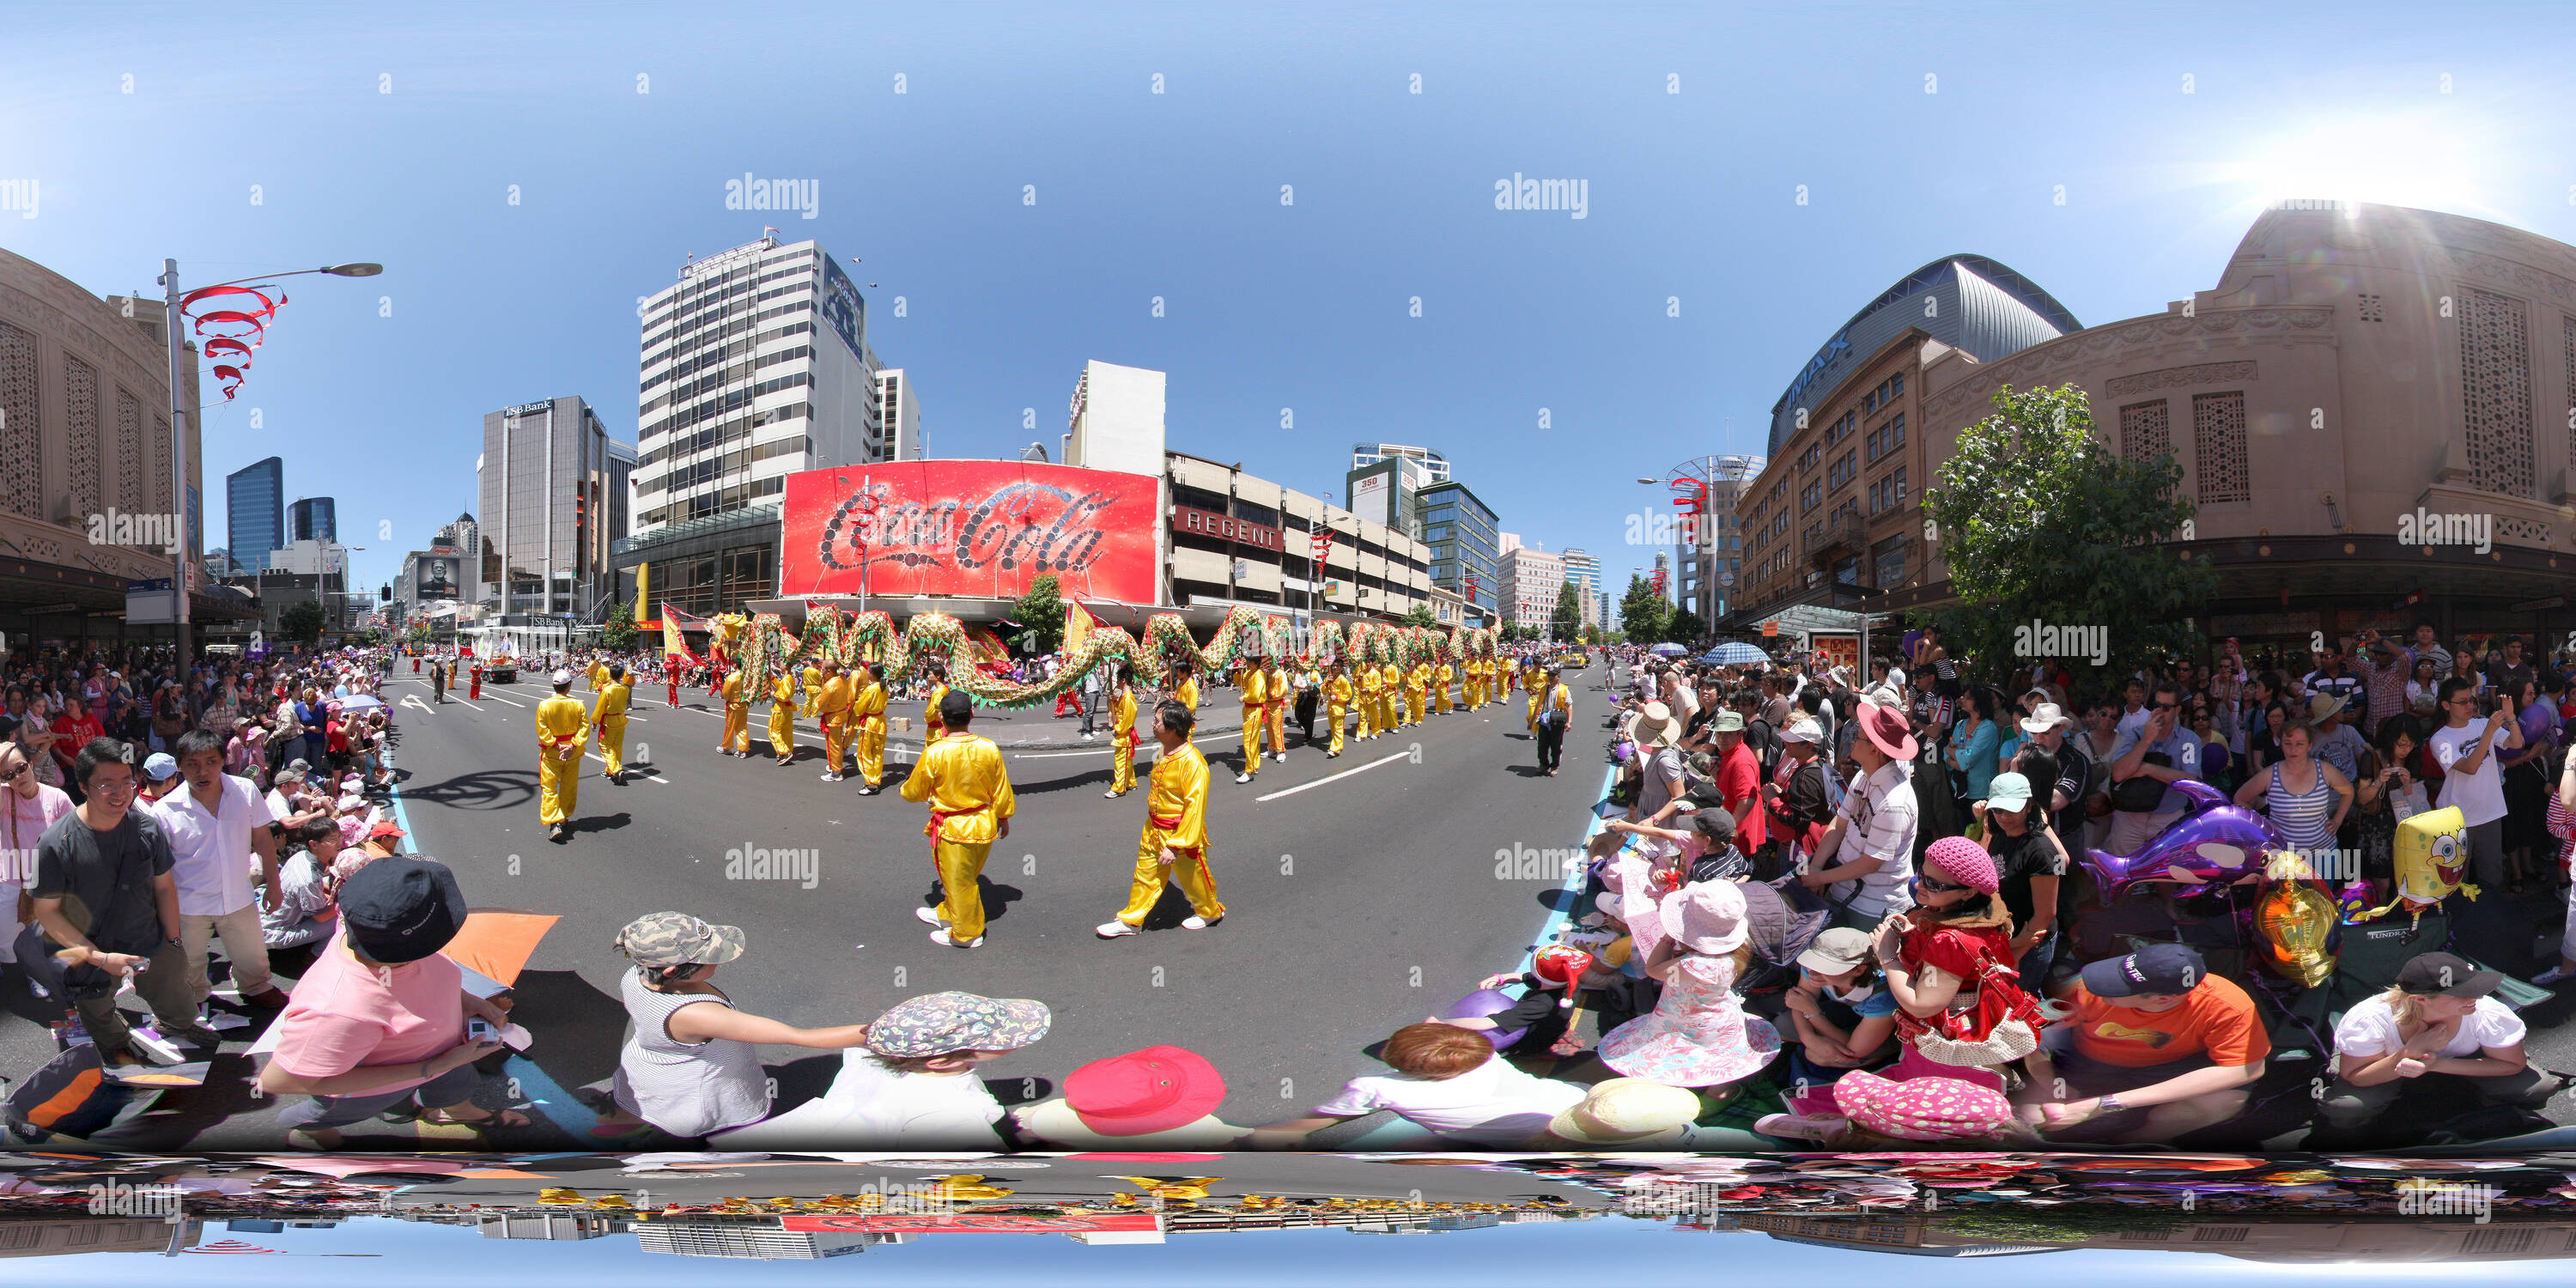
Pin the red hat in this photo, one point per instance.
(1888, 729)
(385, 829)
(1156, 1089)
(1963, 861)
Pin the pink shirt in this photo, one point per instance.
(345, 1014)
(23, 820)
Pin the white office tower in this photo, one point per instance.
(755, 366)
(899, 415)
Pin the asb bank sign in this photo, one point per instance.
(978, 528)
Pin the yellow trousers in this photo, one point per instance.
(612, 744)
(963, 909)
(558, 786)
(1333, 713)
(1279, 727)
(1533, 713)
(836, 740)
(1440, 700)
(1413, 706)
(782, 729)
(737, 730)
(1122, 763)
(870, 746)
(1390, 712)
(1189, 872)
(1253, 720)
(1368, 715)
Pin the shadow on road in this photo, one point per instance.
(484, 789)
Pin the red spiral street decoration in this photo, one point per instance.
(243, 337)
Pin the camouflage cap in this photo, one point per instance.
(678, 939)
(939, 1023)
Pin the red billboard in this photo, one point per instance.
(976, 528)
(981, 1223)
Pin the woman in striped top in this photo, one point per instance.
(2304, 797)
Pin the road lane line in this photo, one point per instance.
(1103, 751)
(1355, 769)
(520, 705)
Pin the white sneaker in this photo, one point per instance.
(1196, 922)
(1244, 777)
(2552, 977)
(930, 914)
(1086, 737)
(1113, 795)
(831, 778)
(1115, 929)
(1280, 756)
(940, 937)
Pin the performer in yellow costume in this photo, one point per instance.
(868, 718)
(1282, 693)
(1390, 696)
(737, 725)
(1535, 681)
(831, 700)
(1337, 701)
(782, 717)
(609, 716)
(931, 729)
(1122, 735)
(563, 729)
(811, 707)
(969, 792)
(1441, 677)
(1417, 691)
(1173, 845)
(1188, 693)
(1368, 701)
(1254, 684)
(597, 676)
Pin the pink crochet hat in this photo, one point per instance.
(1922, 1108)
(1963, 861)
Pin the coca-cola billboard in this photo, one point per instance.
(974, 528)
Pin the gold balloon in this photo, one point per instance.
(2296, 920)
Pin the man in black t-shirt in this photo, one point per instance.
(103, 890)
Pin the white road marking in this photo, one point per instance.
(413, 700)
(520, 705)
(1355, 769)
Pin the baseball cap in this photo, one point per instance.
(2156, 968)
(939, 1023)
(159, 766)
(386, 831)
(560, 678)
(2008, 791)
(2446, 975)
(678, 939)
(402, 909)
(1836, 951)
(1142, 1092)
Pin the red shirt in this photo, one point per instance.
(1739, 778)
(73, 729)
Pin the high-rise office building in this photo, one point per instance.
(899, 414)
(547, 478)
(1585, 572)
(313, 518)
(255, 513)
(1461, 531)
(465, 537)
(1532, 579)
(1434, 466)
(755, 366)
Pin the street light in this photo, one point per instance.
(179, 635)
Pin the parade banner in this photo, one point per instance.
(981, 1223)
(975, 528)
(675, 644)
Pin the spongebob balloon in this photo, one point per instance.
(2432, 861)
(2296, 921)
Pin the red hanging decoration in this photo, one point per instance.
(246, 327)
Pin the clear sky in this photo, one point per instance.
(398, 133)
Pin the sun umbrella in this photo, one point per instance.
(1735, 653)
(361, 702)
(1668, 650)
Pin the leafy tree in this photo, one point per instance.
(1684, 627)
(1418, 615)
(1040, 614)
(2040, 521)
(1591, 633)
(1567, 621)
(619, 634)
(420, 633)
(302, 620)
(1642, 610)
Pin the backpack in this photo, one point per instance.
(1834, 789)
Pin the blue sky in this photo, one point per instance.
(1692, 196)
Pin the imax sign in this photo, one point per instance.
(1816, 365)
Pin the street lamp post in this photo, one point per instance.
(179, 633)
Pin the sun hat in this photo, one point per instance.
(1726, 722)
(939, 1023)
(1887, 729)
(1963, 861)
(2322, 705)
(1142, 1093)
(1706, 916)
(2044, 717)
(1802, 729)
(1656, 727)
(2007, 791)
(401, 910)
(1922, 1108)
(1836, 951)
(678, 939)
(1628, 1111)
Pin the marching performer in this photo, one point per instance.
(1188, 692)
(810, 708)
(782, 717)
(1390, 697)
(1122, 735)
(969, 792)
(868, 722)
(737, 709)
(1337, 700)
(832, 698)
(670, 672)
(1255, 687)
(1417, 690)
(1281, 693)
(477, 690)
(597, 676)
(1440, 677)
(1368, 702)
(608, 715)
(1173, 845)
(1535, 681)
(931, 728)
(563, 729)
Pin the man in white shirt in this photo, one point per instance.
(30, 807)
(2465, 746)
(214, 825)
(1867, 855)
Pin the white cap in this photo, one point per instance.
(560, 678)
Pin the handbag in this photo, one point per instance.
(2141, 795)
(2009, 1040)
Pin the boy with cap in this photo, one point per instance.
(909, 1086)
(2438, 1025)
(160, 774)
(962, 777)
(2156, 1032)
(563, 729)
(380, 1015)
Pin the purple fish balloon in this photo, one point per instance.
(2214, 842)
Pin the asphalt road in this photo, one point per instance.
(1362, 895)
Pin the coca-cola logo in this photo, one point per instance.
(1022, 526)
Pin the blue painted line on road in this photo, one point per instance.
(1556, 919)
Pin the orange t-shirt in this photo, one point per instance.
(2215, 1019)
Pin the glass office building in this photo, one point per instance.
(255, 513)
(1464, 535)
(314, 518)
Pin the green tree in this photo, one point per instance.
(420, 633)
(1418, 615)
(1567, 621)
(1684, 627)
(1040, 614)
(1591, 633)
(1642, 610)
(619, 634)
(2040, 521)
(302, 620)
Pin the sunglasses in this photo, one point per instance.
(1934, 885)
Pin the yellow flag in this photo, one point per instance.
(643, 575)
(1077, 623)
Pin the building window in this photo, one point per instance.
(2146, 432)
(1808, 496)
(2218, 428)
(2495, 363)
(20, 451)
